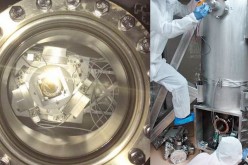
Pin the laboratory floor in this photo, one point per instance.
(157, 155)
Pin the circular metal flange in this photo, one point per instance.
(117, 31)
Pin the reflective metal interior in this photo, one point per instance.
(74, 89)
(83, 104)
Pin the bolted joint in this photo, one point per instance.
(73, 4)
(44, 4)
(136, 156)
(126, 23)
(17, 13)
(102, 7)
(5, 160)
(143, 45)
(147, 131)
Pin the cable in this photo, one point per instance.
(212, 102)
(43, 59)
(67, 127)
(93, 94)
(29, 63)
(209, 50)
(206, 43)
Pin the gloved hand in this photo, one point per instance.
(245, 154)
(201, 11)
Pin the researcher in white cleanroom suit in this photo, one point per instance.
(229, 152)
(163, 27)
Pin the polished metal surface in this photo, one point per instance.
(246, 23)
(91, 36)
(224, 57)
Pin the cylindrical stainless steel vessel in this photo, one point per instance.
(225, 57)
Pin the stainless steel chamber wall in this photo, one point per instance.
(74, 84)
(225, 55)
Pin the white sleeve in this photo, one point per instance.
(201, 159)
(177, 27)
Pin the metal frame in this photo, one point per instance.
(198, 123)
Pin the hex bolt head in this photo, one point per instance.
(72, 4)
(143, 45)
(102, 6)
(5, 160)
(17, 13)
(126, 23)
(2, 163)
(147, 131)
(44, 4)
(136, 156)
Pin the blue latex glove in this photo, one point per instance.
(245, 153)
(201, 11)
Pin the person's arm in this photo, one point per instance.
(169, 29)
(177, 27)
(201, 158)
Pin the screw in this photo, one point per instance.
(143, 45)
(101, 7)
(126, 23)
(44, 4)
(72, 4)
(17, 13)
(136, 156)
(147, 131)
(5, 160)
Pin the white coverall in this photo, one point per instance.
(163, 27)
(229, 152)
